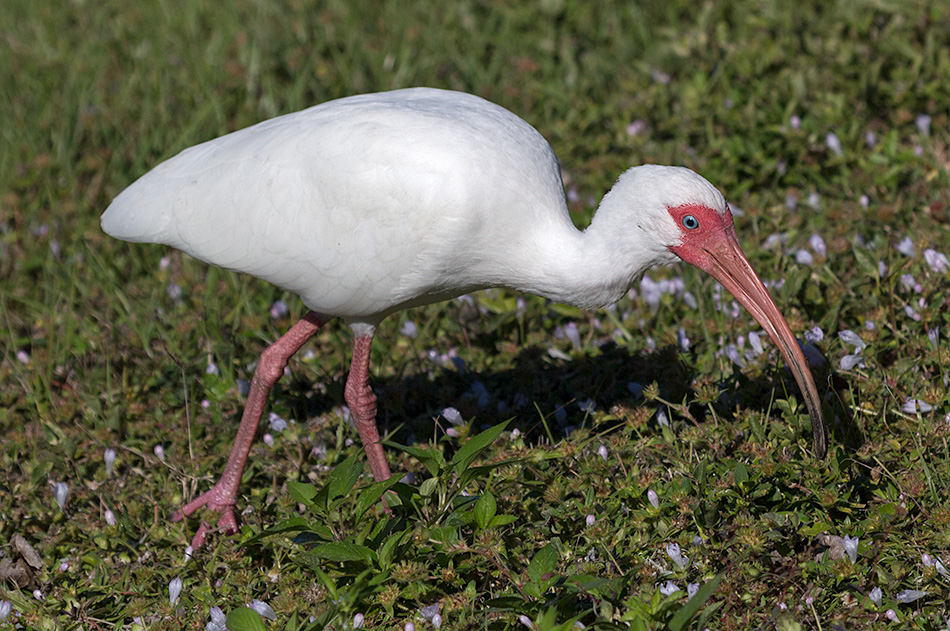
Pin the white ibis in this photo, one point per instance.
(370, 204)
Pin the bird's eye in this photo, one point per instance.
(690, 222)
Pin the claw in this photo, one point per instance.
(216, 499)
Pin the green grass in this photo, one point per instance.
(96, 354)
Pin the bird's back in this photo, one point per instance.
(362, 205)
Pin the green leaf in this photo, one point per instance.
(386, 550)
(245, 619)
(484, 510)
(301, 492)
(344, 476)
(428, 487)
(544, 561)
(740, 474)
(342, 551)
(501, 520)
(371, 495)
(446, 535)
(681, 617)
(475, 445)
(432, 459)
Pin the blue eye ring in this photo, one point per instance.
(690, 222)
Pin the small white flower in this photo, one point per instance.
(452, 415)
(818, 245)
(850, 337)
(941, 568)
(692, 588)
(358, 621)
(851, 547)
(910, 595)
(662, 418)
(189, 553)
(804, 257)
(912, 406)
(110, 517)
(526, 621)
(64, 566)
(653, 498)
(591, 520)
(906, 246)
(923, 124)
(876, 596)
(907, 280)
(636, 128)
(927, 560)
(791, 203)
(814, 200)
(218, 620)
(60, 492)
(409, 329)
(834, 145)
(23, 357)
(437, 621)
(668, 588)
(279, 309)
(865, 201)
(572, 334)
(175, 291)
(109, 457)
(733, 354)
(587, 405)
(814, 335)
(673, 551)
(602, 452)
(174, 590)
(409, 627)
(682, 340)
(755, 342)
(795, 122)
(892, 615)
(849, 362)
(276, 423)
(37, 594)
(263, 609)
(159, 452)
(268, 439)
(938, 262)
(6, 608)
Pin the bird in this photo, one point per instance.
(374, 203)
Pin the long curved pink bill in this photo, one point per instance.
(732, 269)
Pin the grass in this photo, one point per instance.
(569, 518)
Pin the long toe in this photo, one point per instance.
(216, 499)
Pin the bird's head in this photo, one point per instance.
(693, 221)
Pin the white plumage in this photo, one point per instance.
(370, 204)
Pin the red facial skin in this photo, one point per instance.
(710, 243)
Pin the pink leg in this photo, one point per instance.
(223, 495)
(359, 396)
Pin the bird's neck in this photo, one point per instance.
(595, 268)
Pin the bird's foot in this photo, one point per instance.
(217, 499)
